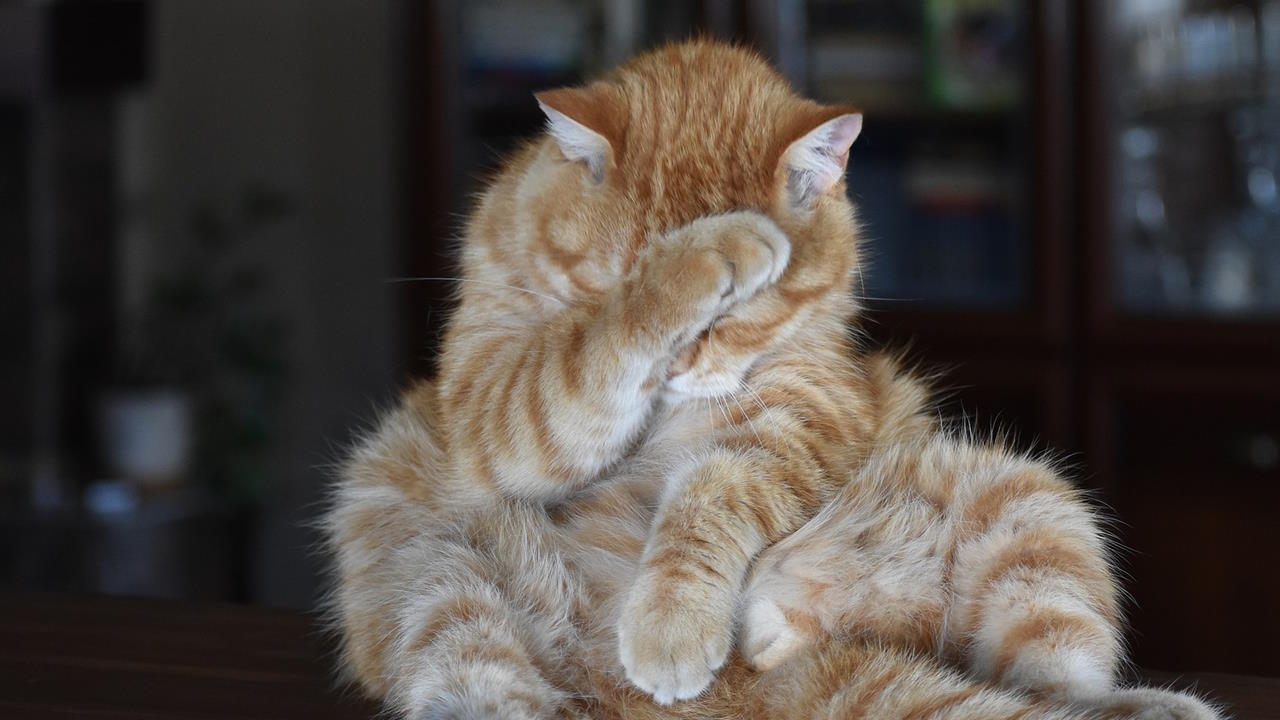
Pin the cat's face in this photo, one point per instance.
(687, 131)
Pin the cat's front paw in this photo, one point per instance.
(752, 247)
(701, 271)
(672, 638)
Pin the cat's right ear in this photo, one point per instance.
(814, 162)
(578, 121)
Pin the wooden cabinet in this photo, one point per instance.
(1189, 458)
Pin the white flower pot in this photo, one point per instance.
(146, 435)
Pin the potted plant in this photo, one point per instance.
(203, 366)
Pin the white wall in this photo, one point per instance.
(299, 94)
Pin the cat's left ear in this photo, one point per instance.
(580, 121)
(816, 161)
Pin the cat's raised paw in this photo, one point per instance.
(699, 272)
(754, 248)
(669, 648)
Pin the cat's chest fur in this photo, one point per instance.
(676, 435)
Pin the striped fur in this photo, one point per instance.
(650, 442)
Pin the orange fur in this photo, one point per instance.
(649, 430)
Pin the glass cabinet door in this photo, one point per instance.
(1196, 147)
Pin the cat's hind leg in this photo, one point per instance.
(444, 611)
(1008, 563)
(853, 678)
(484, 626)
(867, 565)
(965, 552)
(1035, 604)
(859, 678)
(448, 629)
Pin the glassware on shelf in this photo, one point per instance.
(1179, 60)
(1256, 223)
(1148, 270)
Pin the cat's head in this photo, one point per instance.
(689, 130)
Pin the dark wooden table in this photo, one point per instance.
(110, 658)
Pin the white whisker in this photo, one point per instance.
(766, 412)
(723, 413)
(746, 416)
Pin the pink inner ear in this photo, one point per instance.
(844, 130)
(817, 161)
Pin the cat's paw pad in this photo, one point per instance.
(1143, 703)
(768, 636)
(754, 250)
(672, 650)
(699, 272)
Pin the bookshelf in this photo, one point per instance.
(964, 181)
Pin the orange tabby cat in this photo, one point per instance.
(650, 441)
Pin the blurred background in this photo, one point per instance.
(213, 215)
